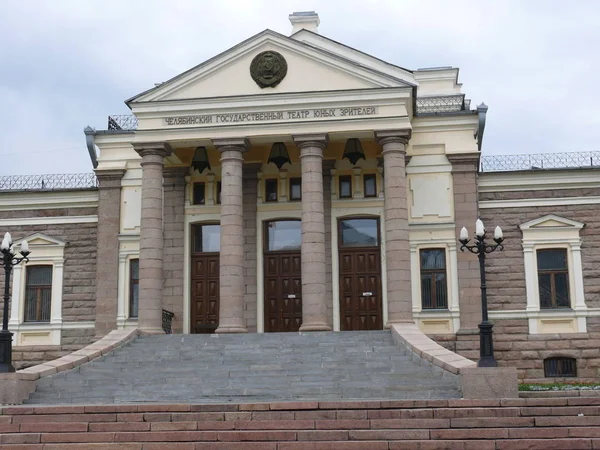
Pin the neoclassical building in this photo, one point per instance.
(293, 183)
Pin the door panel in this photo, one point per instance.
(283, 292)
(205, 293)
(360, 289)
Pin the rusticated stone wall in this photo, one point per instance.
(173, 231)
(506, 272)
(250, 189)
(79, 279)
(513, 344)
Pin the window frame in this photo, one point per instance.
(293, 181)
(265, 237)
(271, 182)
(369, 176)
(45, 250)
(39, 288)
(433, 273)
(553, 272)
(197, 184)
(193, 237)
(344, 179)
(341, 220)
(552, 232)
(133, 282)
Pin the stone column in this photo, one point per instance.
(231, 280)
(151, 236)
(464, 176)
(173, 214)
(397, 245)
(314, 268)
(107, 260)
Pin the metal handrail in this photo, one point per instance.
(167, 319)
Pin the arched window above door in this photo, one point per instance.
(359, 232)
(283, 235)
(206, 238)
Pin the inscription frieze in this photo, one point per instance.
(272, 116)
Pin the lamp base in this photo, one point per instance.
(486, 346)
(6, 352)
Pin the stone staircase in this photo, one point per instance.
(251, 368)
(509, 424)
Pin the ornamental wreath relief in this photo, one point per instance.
(268, 68)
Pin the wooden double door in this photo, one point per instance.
(282, 276)
(283, 292)
(204, 314)
(360, 274)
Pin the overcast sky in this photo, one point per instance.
(65, 64)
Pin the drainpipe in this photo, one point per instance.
(481, 112)
(90, 133)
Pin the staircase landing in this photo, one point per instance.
(244, 368)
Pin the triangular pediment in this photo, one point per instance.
(309, 69)
(551, 221)
(39, 239)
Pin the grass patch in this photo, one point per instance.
(560, 387)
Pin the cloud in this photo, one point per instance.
(67, 63)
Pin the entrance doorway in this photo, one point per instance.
(204, 317)
(283, 276)
(360, 274)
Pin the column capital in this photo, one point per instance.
(464, 162)
(109, 178)
(239, 144)
(303, 141)
(153, 148)
(393, 136)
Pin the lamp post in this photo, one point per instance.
(9, 259)
(481, 249)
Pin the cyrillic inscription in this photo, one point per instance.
(301, 114)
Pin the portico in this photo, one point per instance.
(267, 189)
(224, 206)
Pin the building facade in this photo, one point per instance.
(296, 184)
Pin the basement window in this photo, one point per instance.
(560, 367)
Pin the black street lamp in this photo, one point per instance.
(481, 248)
(9, 259)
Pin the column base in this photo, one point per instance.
(315, 327)
(231, 329)
(150, 331)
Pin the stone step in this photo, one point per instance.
(251, 367)
(511, 424)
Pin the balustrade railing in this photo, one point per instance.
(442, 104)
(122, 122)
(48, 182)
(540, 161)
